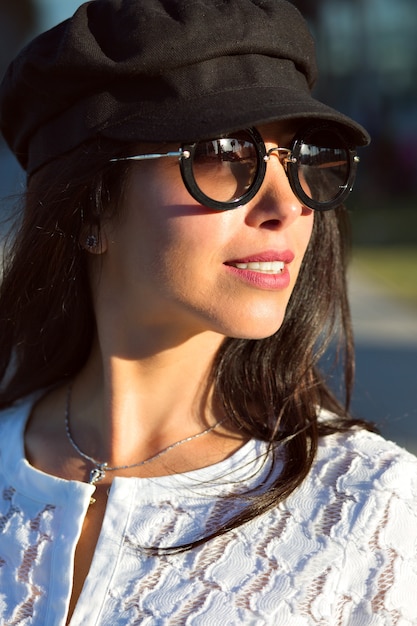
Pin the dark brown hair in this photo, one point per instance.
(270, 388)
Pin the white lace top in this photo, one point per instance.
(342, 550)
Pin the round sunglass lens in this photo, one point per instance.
(224, 169)
(323, 166)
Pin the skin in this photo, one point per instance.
(165, 299)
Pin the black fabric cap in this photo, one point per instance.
(160, 70)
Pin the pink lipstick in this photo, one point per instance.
(264, 270)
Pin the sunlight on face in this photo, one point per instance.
(174, 264)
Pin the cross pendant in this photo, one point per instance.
(98, 473)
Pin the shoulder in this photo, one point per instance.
(362, 488)
(359, 460)
(16, 413)
(351, 528)
(13, 421)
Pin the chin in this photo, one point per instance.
(254, 336)
(257, 329)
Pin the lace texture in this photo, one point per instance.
(23, 562)
(341, 550)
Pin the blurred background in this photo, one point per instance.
(367, 53)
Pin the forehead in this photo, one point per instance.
(280, 131)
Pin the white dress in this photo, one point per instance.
(341, 550)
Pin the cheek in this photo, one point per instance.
(189, 246)
(301, 241)
(167, 231)
(304, 231)
(308, 229)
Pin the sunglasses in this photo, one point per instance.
(227, 172)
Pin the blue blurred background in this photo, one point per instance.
(367, 52)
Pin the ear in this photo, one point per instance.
(93, 239)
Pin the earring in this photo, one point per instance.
(91, 242)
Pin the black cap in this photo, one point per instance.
(160, 70)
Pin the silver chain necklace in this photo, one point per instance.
(99, 471)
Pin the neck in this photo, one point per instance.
(126, 409)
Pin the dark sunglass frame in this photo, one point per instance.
(290, 158)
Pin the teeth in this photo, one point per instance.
(269, 267)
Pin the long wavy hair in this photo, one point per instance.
(270, 388)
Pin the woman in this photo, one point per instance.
(170, 453)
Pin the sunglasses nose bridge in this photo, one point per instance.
(284, 155)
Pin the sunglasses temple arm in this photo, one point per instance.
(155, 155)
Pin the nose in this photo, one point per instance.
(275, 205)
